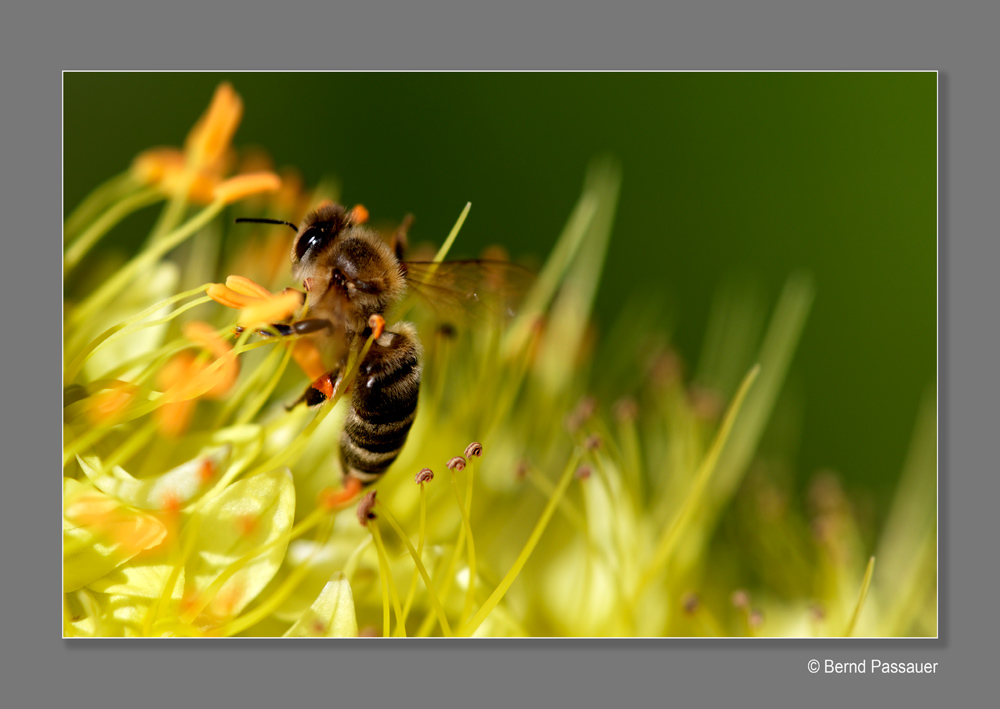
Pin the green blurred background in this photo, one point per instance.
(745, 176)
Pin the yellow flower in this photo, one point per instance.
(593, 507)
(198, 172)
(260, 307)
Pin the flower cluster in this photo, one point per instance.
(603, 493)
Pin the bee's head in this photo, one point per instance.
(318, 231)
(315, 234)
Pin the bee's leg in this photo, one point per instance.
(399, 239)
(299, 327)
(304, 327)
(320, 391)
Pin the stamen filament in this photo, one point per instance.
(107, 221)
(567, 475)
(388, 586)
(130, 325)
(127, 273)
(419, 554)
(435, 599)
(702, 477)
(862, 595)
(465, 510)
(446, 246)
(95, 203)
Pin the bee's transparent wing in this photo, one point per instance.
(471, 291)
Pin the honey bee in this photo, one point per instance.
(349, 274)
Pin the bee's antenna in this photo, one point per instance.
(267, 221)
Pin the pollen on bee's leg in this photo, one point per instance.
(332, 499)
(358, 214)
(324, 385)
(377, 325)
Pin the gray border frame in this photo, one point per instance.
(892, 35)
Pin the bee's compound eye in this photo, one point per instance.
(312, 237)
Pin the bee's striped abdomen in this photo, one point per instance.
(383, 405)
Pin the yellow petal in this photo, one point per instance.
(331, 615)
(223, 539)
(100, 534)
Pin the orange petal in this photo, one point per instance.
(223, 378)
(176, 370)
(243, 285)
(174, 417)
(209, 139)
(307, 356)
(186, 377)
(152, 165)
(201, 189)
(228, 297)
(106, 516)
(271, 309)
(108, 405)
(241, 186)
(201, 333)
